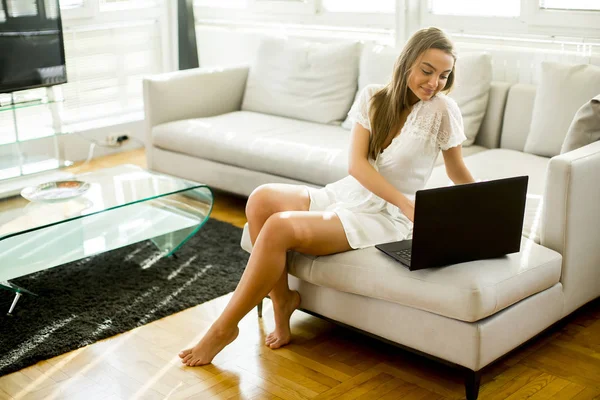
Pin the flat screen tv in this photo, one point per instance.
(32, 50)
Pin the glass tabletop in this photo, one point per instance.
(123, 205)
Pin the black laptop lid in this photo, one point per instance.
(468, 222)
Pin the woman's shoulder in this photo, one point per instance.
(442, 103)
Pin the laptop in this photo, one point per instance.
(463, 223)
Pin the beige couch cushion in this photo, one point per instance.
(305, 80)
(468, 291)
(517, 116)
(585, 127)
(563, 89)
(301, 150)
(502, 163)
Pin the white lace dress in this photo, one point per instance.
(406, 163)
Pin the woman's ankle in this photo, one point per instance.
(283, 298)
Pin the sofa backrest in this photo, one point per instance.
(491, 126)
(517, 116)
(507, 117)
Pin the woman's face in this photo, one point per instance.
(429, 74)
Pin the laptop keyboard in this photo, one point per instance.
(404, 253)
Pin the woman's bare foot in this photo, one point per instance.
(283, 312)
(208, 347)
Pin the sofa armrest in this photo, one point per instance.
(193, 93)
(571, 221)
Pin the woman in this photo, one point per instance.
(397, 134)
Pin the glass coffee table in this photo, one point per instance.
(123, 205)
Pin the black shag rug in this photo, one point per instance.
(95, 298)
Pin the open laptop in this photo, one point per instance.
(462, 223)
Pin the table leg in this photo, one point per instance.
(14, 303)
(18, 293)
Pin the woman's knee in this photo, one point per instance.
(259, 202)
(279, 230)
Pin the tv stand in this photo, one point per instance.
(21, 166)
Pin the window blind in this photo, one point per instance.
(105, 68)
(22, 8)
(51, 8)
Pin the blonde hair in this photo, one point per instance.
(388, 103)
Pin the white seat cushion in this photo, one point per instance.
(502, 163)
(468, 291)
(306, 151)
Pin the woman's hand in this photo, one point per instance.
(409, 211)
(407, 207)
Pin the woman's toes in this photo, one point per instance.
(184, 353)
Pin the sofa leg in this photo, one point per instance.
(472, 381)
(259, 308)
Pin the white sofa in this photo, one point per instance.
(468, 314)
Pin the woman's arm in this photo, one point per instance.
(360, 168)
(455, 166)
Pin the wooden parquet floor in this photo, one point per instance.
(324, 361)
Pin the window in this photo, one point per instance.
(589, 5)
(2, 13)
(51, 9)
(262, 6)
(221, 3)
(106, 62)
(505, 8)
(114, 5)
(361, 6)
(70, 4)
(512, 16)
(106, 67)
(22, 8)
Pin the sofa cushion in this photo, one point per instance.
(467, 291)
(471, 87)
(517, 116)
(303, 80)
(585, 127)
(563, 89)
(471, 90)
(301, 150)
(502, 163)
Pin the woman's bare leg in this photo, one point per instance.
(314, 233)
(265, 201)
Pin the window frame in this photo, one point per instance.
(283, 6)
(88, 10)
(580, 19)
(532, 19)
(127, 5)
(312, 15)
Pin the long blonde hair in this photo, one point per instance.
(388, 103)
